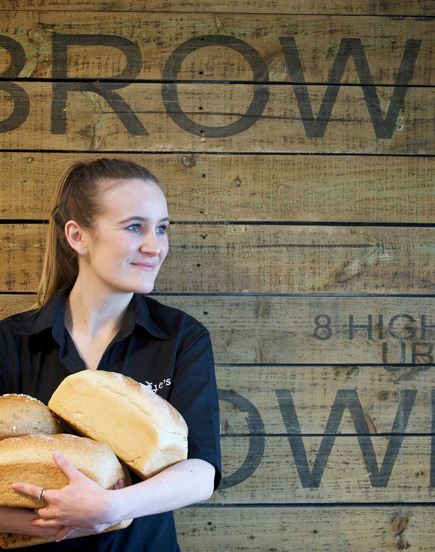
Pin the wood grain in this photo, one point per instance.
(91, 124)
(345, 478)
(324, 335)
(199, 187)
(316, 390)
(155, 37)
(282, 329)
(350, 529)
(260, 259)
(343, 7)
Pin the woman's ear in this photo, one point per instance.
(76, 237)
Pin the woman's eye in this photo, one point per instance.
(134, 227)
(162, 229)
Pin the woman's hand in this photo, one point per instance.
(81, 507)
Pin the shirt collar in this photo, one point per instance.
(52, 315)
(139, 313)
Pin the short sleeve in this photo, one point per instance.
(194, 395)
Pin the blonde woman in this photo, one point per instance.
(107, 240)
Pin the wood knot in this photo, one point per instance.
(188, 160)
(400, 524)
(383, 395)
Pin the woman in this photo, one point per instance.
(107, 241)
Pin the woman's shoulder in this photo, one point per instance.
(20, 321)
(170, 318)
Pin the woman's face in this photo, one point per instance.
(129, 240)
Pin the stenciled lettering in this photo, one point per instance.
(316, 127)
(105, 90)
(344, 399)
(323, 329)
(19, 96)
(170, 90)
(422, 351)
(256, 438)
(400, 350)
(368, 327)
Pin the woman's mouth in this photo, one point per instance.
(146, 267)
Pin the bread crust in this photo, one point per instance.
(29, 459)
(22, 414)
(143, 429)
(15, 540)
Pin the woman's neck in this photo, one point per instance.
(93, 320)
(91, 311)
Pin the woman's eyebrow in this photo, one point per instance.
(142, 219)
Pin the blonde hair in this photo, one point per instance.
(78, 198)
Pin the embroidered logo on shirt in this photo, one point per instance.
(157, 386)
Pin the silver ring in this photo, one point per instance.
(42, 494)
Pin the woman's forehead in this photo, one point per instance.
(119, 195)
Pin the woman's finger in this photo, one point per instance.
(64, 533)
(118, 485)
(36, 491)
(48, 522)
(66, 467)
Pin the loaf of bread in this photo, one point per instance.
(22, 414)
(143, 429)
(29, 459)
(14, 540)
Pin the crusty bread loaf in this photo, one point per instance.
(143, 429)
(22, 414)
(14, 540)
(30, 459)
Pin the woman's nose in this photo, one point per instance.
(149, 245)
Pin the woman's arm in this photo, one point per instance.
(84, 505)
(18, 520)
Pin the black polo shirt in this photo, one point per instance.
(156, 345)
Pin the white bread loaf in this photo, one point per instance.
(14, 540)
(142, 429)
(22, 414)
(29, 459)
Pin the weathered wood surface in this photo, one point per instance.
(202, 187)
(91, 124)
(260, 259)
(315, 529)
(373, 397)
(282, 329)
(342, 7)
(267, 472)
(154, 37)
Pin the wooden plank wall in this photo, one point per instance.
(295, 140)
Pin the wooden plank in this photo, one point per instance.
(91, 124)
(226, 47)
(299, 259)
(260, 259)
(317, 529)
(369, 398)
(342, 7)
(295, 330)
(276, 188)
(263, 469)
